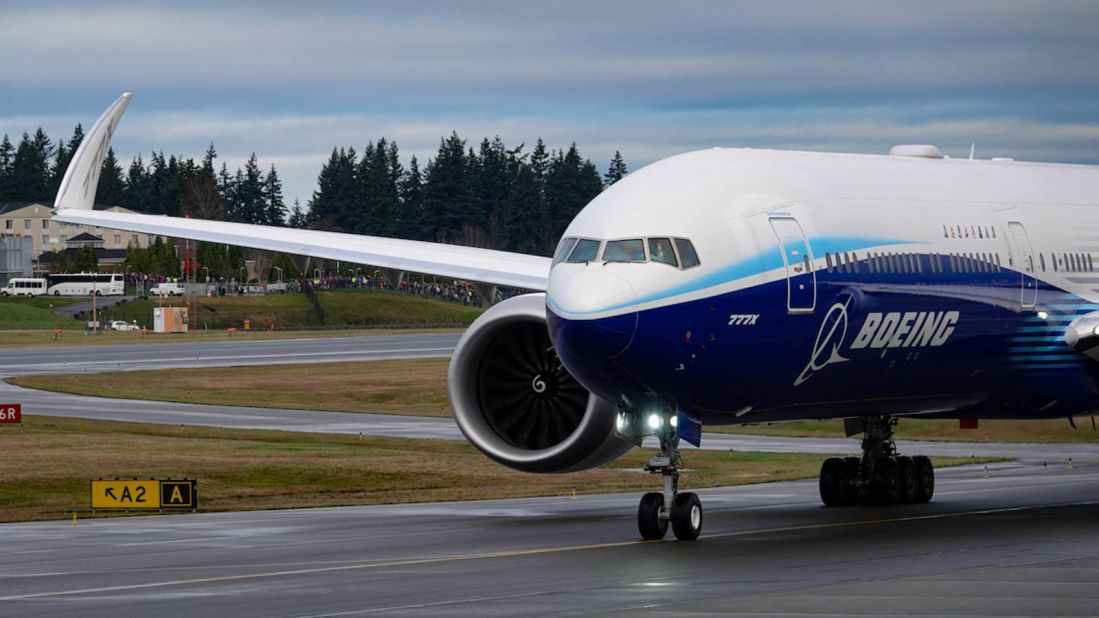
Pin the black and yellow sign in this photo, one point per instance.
(144, 494)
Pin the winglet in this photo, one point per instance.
(82, 177)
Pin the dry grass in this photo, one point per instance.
(416, 387)
(49, 462)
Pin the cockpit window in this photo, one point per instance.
(686, 252)
(632, 250)
(585, 251)
(660, 250)
(563, 250)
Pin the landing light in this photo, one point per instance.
(654, 421)
(674, 422)
(1042, 315)
(1095, 331)
(620, 422)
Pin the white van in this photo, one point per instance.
(167, 289)
(24, 287)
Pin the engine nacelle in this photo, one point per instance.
(516, 402)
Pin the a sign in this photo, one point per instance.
(140, 494)
(11, 413)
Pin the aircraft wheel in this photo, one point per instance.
(833, 482)
(910, 484)
(887, 482)
(687, 517)
(925, 478)
(649, 523)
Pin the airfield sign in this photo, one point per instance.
(11, 413)
(144, 494)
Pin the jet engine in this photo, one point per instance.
(516, 402)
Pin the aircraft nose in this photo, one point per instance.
(593, 315)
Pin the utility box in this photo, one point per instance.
(169, 319)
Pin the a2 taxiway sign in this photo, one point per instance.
(140, 494)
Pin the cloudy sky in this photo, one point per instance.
(290, 80)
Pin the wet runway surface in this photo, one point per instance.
(1017, 543)
(1022, 542)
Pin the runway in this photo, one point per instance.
(1015, 544)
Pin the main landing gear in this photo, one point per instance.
(657, 509)
(880, 476)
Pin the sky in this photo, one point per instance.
(291, 80)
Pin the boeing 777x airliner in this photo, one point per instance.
(733, 286)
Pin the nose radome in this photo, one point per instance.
(595, 313)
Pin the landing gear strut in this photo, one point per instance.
(880, 476)
(657, 509)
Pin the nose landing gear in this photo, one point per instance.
(658, 509)
(880, 476)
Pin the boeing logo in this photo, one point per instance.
(912, 329)
(826, 349)
(886, 331)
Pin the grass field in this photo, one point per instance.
(418, 387)
(34, 312)
(343, 309)
(381, 308)
(49, 462)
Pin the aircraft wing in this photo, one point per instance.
(76, 196)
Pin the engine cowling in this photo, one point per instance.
(516, 402)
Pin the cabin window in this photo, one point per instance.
(585, 251)
(687, 255)
(855, 261)
(660, 250)
(1091, 264)
(632, 250)
(828, 260)
(563, 250)
(1042, 262)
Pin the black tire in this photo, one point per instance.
(833, 482)
(910, 484)
(887, 482)
(57, 293)
(686, 516)
(855, 494)
(649, 523)
(925, 478)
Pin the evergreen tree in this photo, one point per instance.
(412, 202)
(380, 199)
(522, 215)
(298, 218)
(111, 186)
(248, 197)
(138, 194)
(274, 205)
(448, 194)
(30, 173)
(208, 162)
(7, 159)
(86, 261)
(571, 183)
(60, 262)
(63, 157)
(492, 184)
(336, 202)
(616, 171)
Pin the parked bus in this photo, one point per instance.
(24, 287)
(86, 284)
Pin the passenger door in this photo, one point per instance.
(1024, 256)
(801, 281)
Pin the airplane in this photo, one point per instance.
(730, 286)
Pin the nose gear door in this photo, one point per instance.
(797, 255)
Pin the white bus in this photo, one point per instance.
(24, 287)
(86, 284)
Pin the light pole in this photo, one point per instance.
(243, 274)
(207, 269)
(280, 272)
(317, 273)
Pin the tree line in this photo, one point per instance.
(492, 196)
